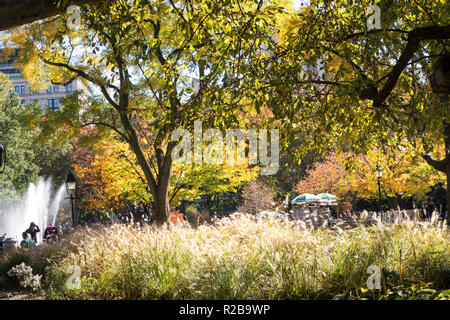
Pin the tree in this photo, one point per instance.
(325, 176)
(355, 89)
(143, 58)
(257, 196)
(18, 140)
(27, 158)
(111, 178)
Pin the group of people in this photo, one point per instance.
(436, 200)
(51, 233)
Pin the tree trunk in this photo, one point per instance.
(443, 165)
(160, 207)
(447, 164)
(448, 190)
(159, 184)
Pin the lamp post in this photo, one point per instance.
(70, 188)
(379, 174)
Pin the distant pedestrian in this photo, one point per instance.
(32, 230)
(429, 207)
(440, 198)
(27, 242)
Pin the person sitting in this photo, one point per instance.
(51, 233)
(32, 230)
(27, 242)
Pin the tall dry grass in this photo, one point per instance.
(239, 258)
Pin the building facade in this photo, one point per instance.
(49, 97)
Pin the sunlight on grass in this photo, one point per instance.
(240, 258)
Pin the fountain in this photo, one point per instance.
(36, 205)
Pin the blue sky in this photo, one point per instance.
(298, 3)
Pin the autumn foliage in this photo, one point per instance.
(326, 176)
(110, 176)
(401, 174)
(176, 217)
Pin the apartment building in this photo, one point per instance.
(49, 97)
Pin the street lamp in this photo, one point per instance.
(379, 174)
(70, 188)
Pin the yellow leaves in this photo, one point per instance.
(5, 86)
(402, 173)
(287, 24)
(36, 75)
(10, 38)
(111, 176)
(111, 172)
(206, 179)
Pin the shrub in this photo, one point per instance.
(25, 276)
(192, 214)
(257, 196)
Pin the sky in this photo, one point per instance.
(298, 3)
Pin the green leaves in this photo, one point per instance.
(330, 59)
(27, 158)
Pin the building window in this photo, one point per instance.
(22, 89)
(17, 89)
(53, 104)
(69, 87)
(55, 88)
(49, 89)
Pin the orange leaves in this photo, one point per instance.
(326, 176)
(176, 217)
(109, 175)
(402, 173)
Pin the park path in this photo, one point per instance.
(17, 295)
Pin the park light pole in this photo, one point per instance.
(70, 188)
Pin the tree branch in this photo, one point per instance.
(439, 165)
(14, 13)
(414, 38)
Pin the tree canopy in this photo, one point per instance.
(27, 158)
(352, 88)
(339, 86)
(402, 174)
(157, 66)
